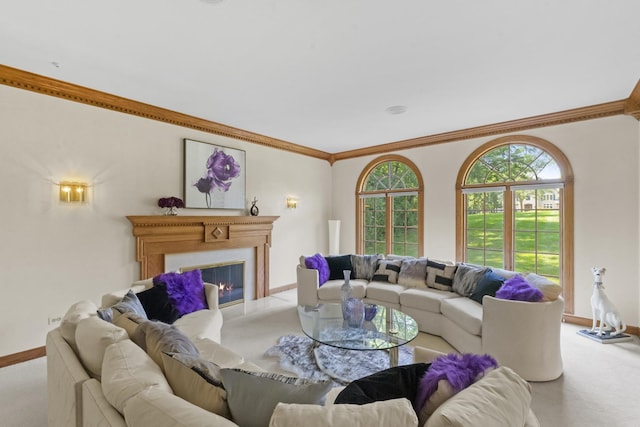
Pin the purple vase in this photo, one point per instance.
(370, 311)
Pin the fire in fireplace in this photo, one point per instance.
(228, 276)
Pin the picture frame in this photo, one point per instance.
(214, 176)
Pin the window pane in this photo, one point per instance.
(549, 265)
(494, 240)
(475, 256)
(411, 250)
(548, 220)
(398, 248)
(549, 243)
(399, 235)
(412, 236)
(475, 239)
(381, 248)
(494, 259)
(525, 241)
(525, 262)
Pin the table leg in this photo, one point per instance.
(393, 357)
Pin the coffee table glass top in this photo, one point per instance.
(390, 328)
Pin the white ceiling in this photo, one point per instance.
(320, 73)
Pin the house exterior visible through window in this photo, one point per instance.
(389, 200)
(514, 203)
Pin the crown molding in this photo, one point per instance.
(551, 119)
(632, 106)
(37, 83)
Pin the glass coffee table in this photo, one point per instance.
(388, 330)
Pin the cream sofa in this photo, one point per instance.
(97, 376)
(522, 335)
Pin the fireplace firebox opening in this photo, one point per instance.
(228, 276)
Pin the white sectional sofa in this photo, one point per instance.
(522, 335)
(99, 376)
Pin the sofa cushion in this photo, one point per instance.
(391, 383)
(394, 412)
(217, 353)
(77, 312)
(500, 398)
(160, 337)
(197, 381)
(157, 305)
(427, 300)
(488, 284)
(550, 290)
(185, 290)
(518, 289)
(252, 396)
(387, 271)
(364, 265)
(126, 371)
(157, 408)
(467, 277)
(129, 303)
(201, 324)
(93, 336)
(464, 312)
(385, 292)
(440, 274)
(332, 290)
(337, 265)
(318, 262)
(413, 273)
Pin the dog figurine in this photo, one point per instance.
(603, 309)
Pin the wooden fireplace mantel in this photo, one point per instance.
(159, 235)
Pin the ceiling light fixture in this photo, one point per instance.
(396, 109)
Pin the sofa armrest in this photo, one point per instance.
(211, 294)
(524, 336)
(65, 375)
(96, 410)
(307, 286)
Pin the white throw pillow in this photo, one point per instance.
(394, 412)
(93, 336)
(550, 290)
(126, 371)
(500, 399)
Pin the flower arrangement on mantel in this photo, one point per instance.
(171, 205)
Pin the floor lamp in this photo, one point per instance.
(334, 236)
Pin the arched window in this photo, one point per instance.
(514, 204)
(389, 204)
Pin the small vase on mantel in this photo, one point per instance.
(347, 293)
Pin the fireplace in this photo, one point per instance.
(228, 276)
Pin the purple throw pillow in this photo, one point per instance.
(518, 289)
(318, 262)
(185, 290)
(460, 370)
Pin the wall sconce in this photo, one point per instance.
(292, 203)
(73, 191)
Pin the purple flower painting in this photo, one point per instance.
(220, 177)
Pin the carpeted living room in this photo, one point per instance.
(470, 145)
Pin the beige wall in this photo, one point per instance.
(52, 254)
(605, 159)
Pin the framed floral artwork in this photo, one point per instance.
(214, 176)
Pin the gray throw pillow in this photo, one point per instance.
(413, 273)
(364, 265)
(129, 304)
(467, 277)
(161, 337)
(252, 396)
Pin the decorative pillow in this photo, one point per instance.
(197, 381)
(458, 370)
(440, 274)
(130, 322)
(413, 273)
(93, 336)
(364, 266)
(252, 396)
(387, 271)
(160, 337)
(500, 399)
(391, 383)
(318, 262)
(337, 264)
(466, 278)
(77, 312)
(550, 290)
(130, 303)
(185, 290)
(518, 289)
(126, 371)
(394, 412)
(488, 284)
(157, 305)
